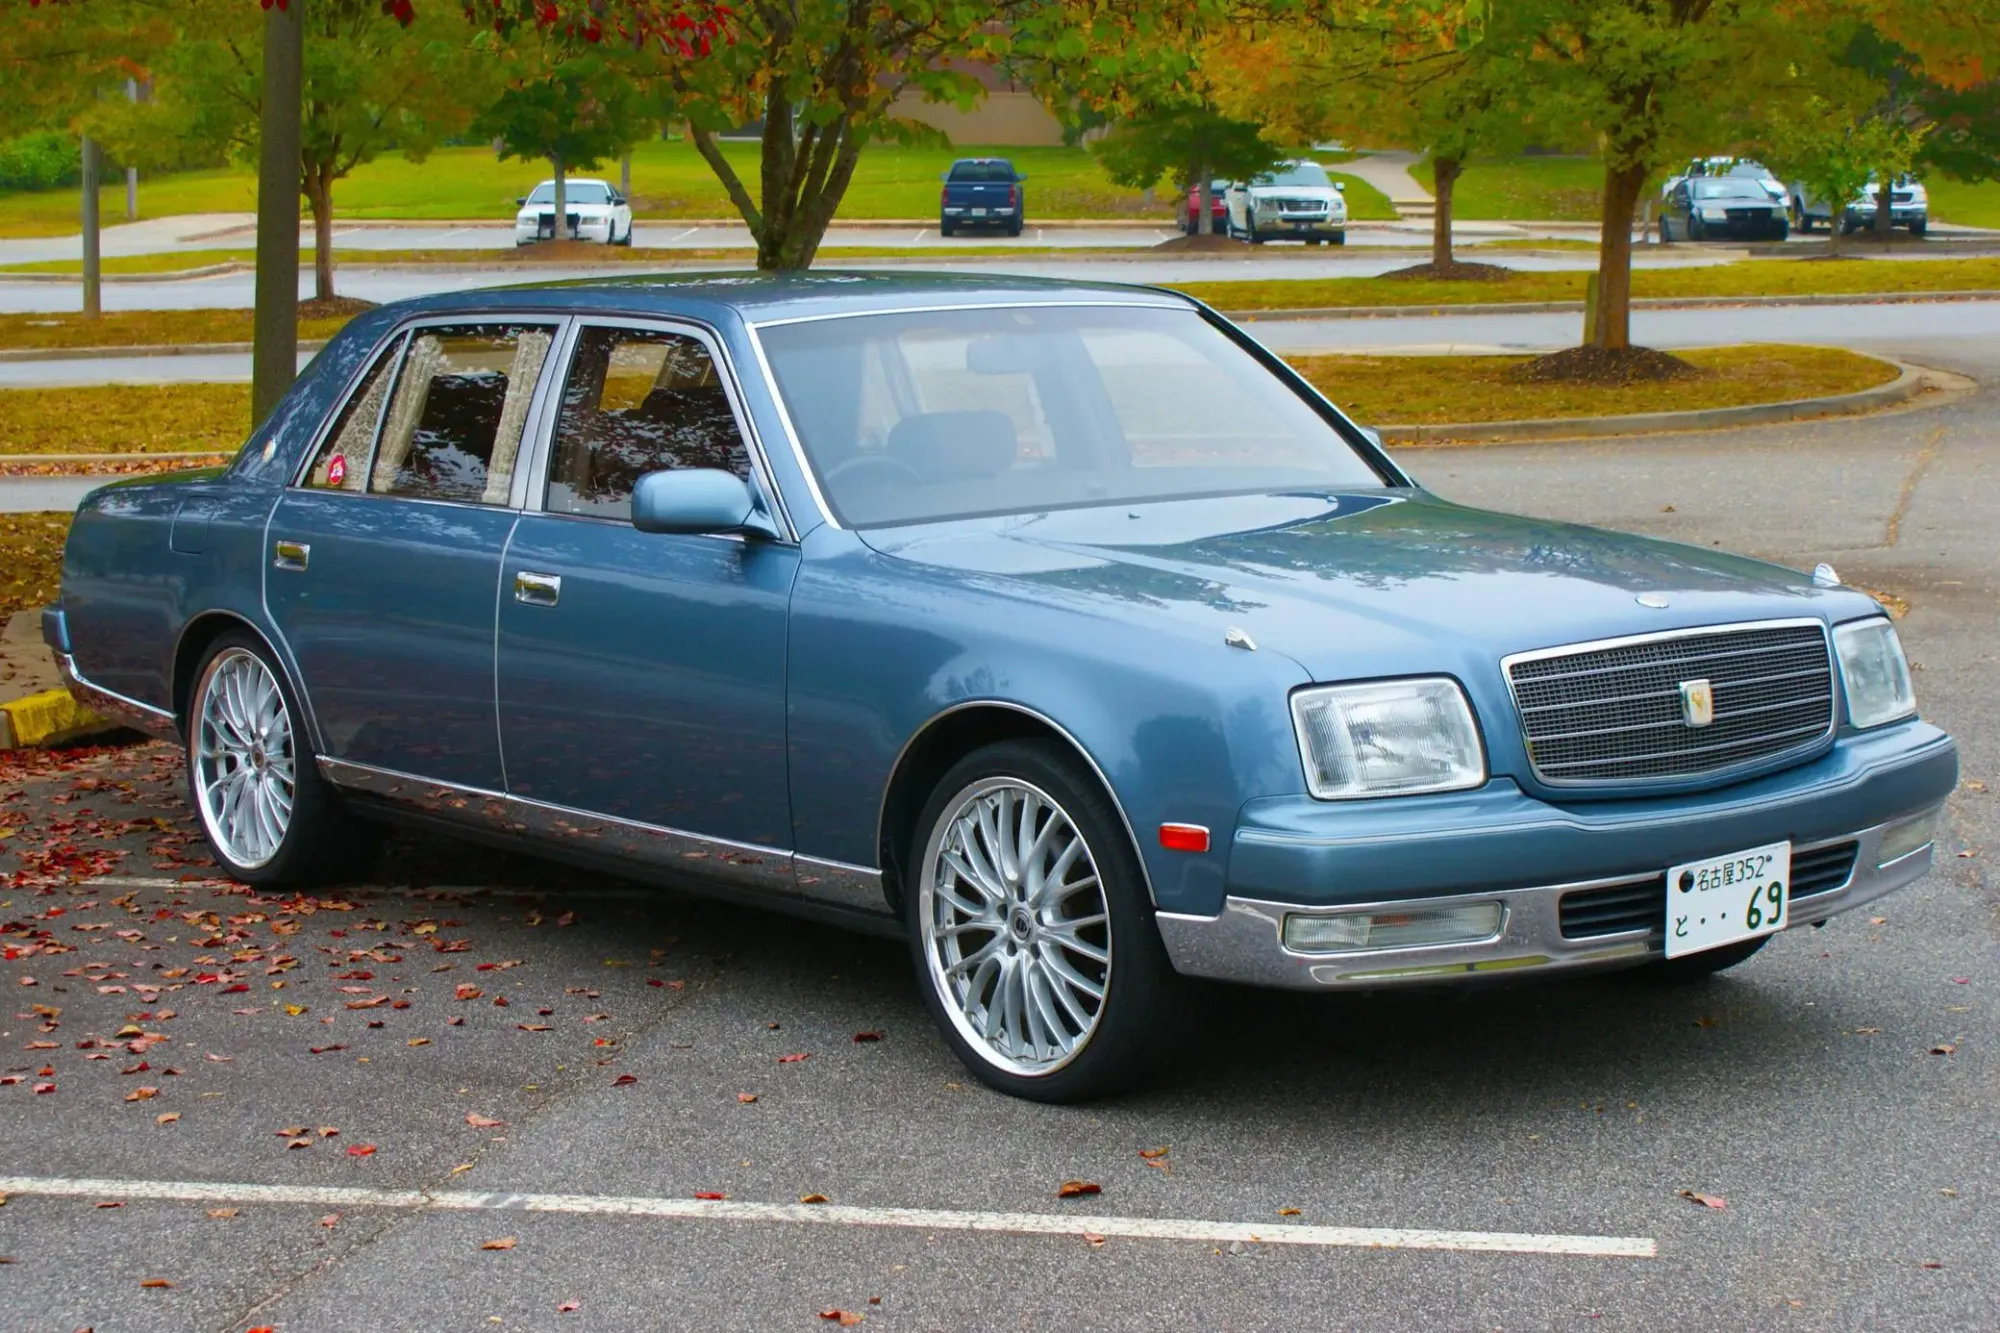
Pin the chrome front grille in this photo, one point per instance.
(1299, 205)
(1610, 713)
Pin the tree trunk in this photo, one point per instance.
(1446, 170)
(562, 197)
(274, 363)
(1204, 201)
(93, 269)
(625, 175)
(1622, 186)
(319, 196)
(1885, 189)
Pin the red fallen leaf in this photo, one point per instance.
(361, 1150)
(1077, 1189)
(478, 1121)
(504, 1243)
(237, 989)
(322, 1050)
(1930, 1263)
(746, 1097)
(375, 1003)
(139, 1068)
(328, 1132)
(566, 918)
(399, 1004)
(1705, 1200)
(624, 1081)
(330, 1221)
(1961, 981)
(1090, 1238)
(468, 991)
(845, 1318)
(567, 1307)
(44, 1087)
(454, 1022)
(814, 1198)
(867, 1036)
(354, 976)
(710, 1194)
(654, 981)
(794, 1059)
(110, 1203)
(156, 1283)
(499, 967)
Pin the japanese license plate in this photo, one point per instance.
(1728, 898)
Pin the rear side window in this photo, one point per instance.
(453, 426)
(637, 401)
(342, 461)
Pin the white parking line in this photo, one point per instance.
(920, 235)
(919, 1219)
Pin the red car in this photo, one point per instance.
(1218, 212)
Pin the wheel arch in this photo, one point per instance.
(198, 635)
(942, 741)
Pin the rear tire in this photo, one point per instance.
(270, 818)
(947, 229)
(1701, 966)
(1031, 928)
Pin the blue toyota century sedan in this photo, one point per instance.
(1060, 628)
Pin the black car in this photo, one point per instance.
(1703, 208)
(982, 192)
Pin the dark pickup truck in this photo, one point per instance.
(982, 192)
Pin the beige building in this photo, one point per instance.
(1008, 116)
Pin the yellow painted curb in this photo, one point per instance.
(47, 718)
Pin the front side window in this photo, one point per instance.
(928, 415)
(637, 401)
(454, 423)
(343, 458)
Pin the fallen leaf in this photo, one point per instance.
(794, 1059)
(298, 1143)
(113, 1203)
(1076, 1189)
(1961, 981)
(746, 1097)
(814, 1198)
(295, 1009)
(567, 1307)
(142, 1094)
(1944, 1048)
(361, 1150)
(375, 1003)
(222, 1214)
(420, 1041)
(1930, 1263)
(166, 1117)
(845, 1318)
(330, 1221)
(478, 1121)
(1288, 1212)
(468, 991)
(867, 1036)
(504, 1243)
(1093, 1240)
(710, 1194)
(41, 1088)
(534, 1027)
(624, 1081)
(1707, 1021)
(156, 1283)
(1705, 1200)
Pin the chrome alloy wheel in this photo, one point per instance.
(244, 775)
(1016, 930)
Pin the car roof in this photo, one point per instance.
(576, 180)
(764, 297)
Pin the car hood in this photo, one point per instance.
(1379, 583)
(1297, 192)
(584, 210)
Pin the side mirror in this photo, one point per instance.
(697, 500)
(520, 200)
(1339, 187)
(1020, 180)
(1372, 435)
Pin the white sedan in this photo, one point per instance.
(594, 208)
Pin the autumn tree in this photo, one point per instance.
(1192, 144)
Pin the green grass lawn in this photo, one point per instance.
(1540, 189)
(1966, 205)
(1754, 277)
(669, 180)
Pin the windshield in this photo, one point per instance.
(982, 171)
(1298, 173)
(574, 193)
(1726, 187)
(926, 415)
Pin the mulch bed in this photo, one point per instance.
(1602, 365)
(1457, 271)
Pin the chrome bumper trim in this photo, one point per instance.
(127, 712)
(1244, 942)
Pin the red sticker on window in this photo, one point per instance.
(336, 471)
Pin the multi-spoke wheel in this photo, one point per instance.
(269, 816)
(1032, 927)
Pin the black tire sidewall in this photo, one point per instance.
(1137, 1018)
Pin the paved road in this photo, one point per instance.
(1862, 1185)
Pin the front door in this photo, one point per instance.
(383, 562)
(642, 675)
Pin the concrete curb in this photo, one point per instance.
(1910, 382)
(106, 353)
(169, 275)
(47, 718)
(1638, 303)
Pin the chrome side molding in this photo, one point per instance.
(771, 872)
(126, 712)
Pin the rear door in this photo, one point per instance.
(383, 559)
(642, 675)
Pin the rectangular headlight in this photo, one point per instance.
(1387, 738)
(1874, 671)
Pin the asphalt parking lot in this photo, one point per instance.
(539, 1163)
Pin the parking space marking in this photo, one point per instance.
(915, 1219)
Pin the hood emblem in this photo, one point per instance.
(1697, 702)
(1651, 599)
(1237, 638)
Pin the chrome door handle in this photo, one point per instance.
(536, 589)
(290, 555)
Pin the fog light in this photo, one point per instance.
(1912, 835)
(1352, 932)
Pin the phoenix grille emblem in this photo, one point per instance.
(1697, 702)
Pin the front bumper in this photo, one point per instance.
(1281, 226)
(1501, 846)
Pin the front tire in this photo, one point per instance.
(269, 818)
(1032, 931)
